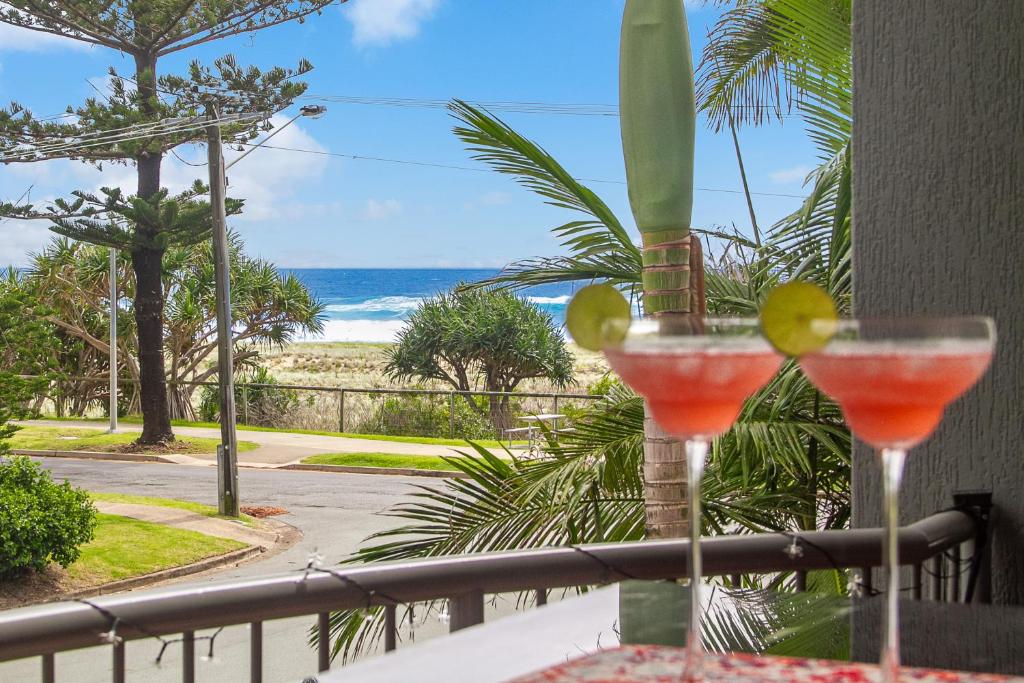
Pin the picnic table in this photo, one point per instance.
(533, 430)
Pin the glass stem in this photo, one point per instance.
(892, 474)
(696, 454)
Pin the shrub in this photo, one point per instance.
(264, 406)
(40, 521)
(426, 415)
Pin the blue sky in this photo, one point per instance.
(313, 210)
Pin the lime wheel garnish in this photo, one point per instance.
(798, 318)
(597, 316)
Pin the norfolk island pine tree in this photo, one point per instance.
(147, 223)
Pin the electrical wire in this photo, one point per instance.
(453, 167)
(134, 133)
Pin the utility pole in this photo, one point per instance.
(113, 340)
(227, 453)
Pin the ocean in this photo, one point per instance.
(373, 304)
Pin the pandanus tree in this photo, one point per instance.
(72, 280)
(658, 117)
(144, 117)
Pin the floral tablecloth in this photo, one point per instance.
(654, 664)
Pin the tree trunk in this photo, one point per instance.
(147, 262)
(149, 306)
(676, 273)
(658, 119)
(501, 413)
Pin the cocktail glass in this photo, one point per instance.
(893, 379)
(694, 385)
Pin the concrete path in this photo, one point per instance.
(279, 448)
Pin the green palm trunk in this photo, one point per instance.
(658, 119)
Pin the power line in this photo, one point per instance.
(565, 108)
(132, 133)
(453, 167)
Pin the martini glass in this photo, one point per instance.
(694, 386)
(893, 379)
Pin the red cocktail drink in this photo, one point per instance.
(893, 378)
(892, 397)
(695, 391)
(695, 386)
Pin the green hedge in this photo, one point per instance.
(40, 521)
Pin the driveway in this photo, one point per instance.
(335, 513)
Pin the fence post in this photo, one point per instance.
(451, 414)
(245, 404)
(554, 422)
(341, 412)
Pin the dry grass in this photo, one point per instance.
(361, 365)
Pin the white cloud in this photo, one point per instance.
(790, 175)
(19, 238)
(381, 22)
(380, 210)
(268, 179)
(17, 39)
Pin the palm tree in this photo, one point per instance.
(785, 464)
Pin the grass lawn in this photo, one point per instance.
(85, 439)
(125, 547)
(198, 508)
(383, 460)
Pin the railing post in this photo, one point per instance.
(48, 668)
(323, 641)
(554, 422)
(341, 412)
(451, 414)
(466, 610)
(256, 652)
(390, 628)
(188, 657)
(118, 664)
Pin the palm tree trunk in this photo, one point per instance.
(658, 118)
(665, 475)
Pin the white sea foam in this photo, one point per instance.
(357, 331)
(549, 299)
(397, 304)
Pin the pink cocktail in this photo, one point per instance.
(893, 379)
(695, 386)
(695, 392)
(895, 398)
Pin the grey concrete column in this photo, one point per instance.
(938, 210)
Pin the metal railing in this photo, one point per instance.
(339, 408)
(463, 580)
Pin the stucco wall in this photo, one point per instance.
(938, 206)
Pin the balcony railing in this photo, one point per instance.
(463, 580)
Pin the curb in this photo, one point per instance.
(214, 562)
(92, 455)
(337, 469)
(393, 471)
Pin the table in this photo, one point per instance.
(497, 651)
(533, 430)
(658, 664)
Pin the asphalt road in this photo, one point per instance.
(335, 512)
